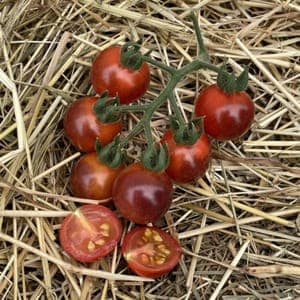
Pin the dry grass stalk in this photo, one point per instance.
(241, 219)
(273, 271)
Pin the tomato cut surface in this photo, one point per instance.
(89, 233)
(150, 251)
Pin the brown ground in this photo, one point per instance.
(238, 226)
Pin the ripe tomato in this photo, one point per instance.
(226, 116)
(83, 128)
(142, 196)
(92, 231)
(108, 74)
(92, 179)
(187, 162)
(150, 252)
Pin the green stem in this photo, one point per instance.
(148, 133)
(166, 92)
(202, 50)
(135, 131)
(176, 109)
(195, 66)
(122, 108)
(151, 109)
(158, 64)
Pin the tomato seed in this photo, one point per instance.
(159, 261)
(100, 242)
(147, 232)
(91, 246)
(157, 237)
(161, 246)
(166, 251)
(105, 233)
(104, 226)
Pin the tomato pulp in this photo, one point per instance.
(227, 116)
(89, 233)
(150, 251)
(108, 74)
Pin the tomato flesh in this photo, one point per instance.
(108, 74)
(90, 233)
(226, 116)
(142, 196)
(150, 251)
(92, 179)
(83, 128)
(187, 162)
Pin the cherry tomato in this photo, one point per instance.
(187, 162)
(83, 128)
(142, 196)
(108, 74)
(92, 179)
(89, 233)
(150, 252)
(226, 116)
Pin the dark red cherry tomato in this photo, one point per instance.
(187, 162)
(92, 231)
(150, 252)
(92, 179)
(226, 116)
(83, 128)
(142, 196)
(108, 74)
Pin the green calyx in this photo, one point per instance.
(104, 108)
(155, 158)
(186, 134)
(229, 83)
(131, 56)
(111, 154)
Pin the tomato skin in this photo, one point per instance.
(187, 162)
(89, 233)
(92, 179)
(226, 116)
(137, 244)
(108, 74)
(142, 196)
(82, 127)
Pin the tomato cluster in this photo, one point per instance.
(141, 195)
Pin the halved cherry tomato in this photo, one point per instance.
(226, 116)
(82, 126)
(150, 251)
(92, 179)
(187, 162)
(108, 74)
(142, 196)
(89, 233)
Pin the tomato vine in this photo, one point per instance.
(185, 133)
(142, 191)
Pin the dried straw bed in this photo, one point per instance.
(238, 226)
